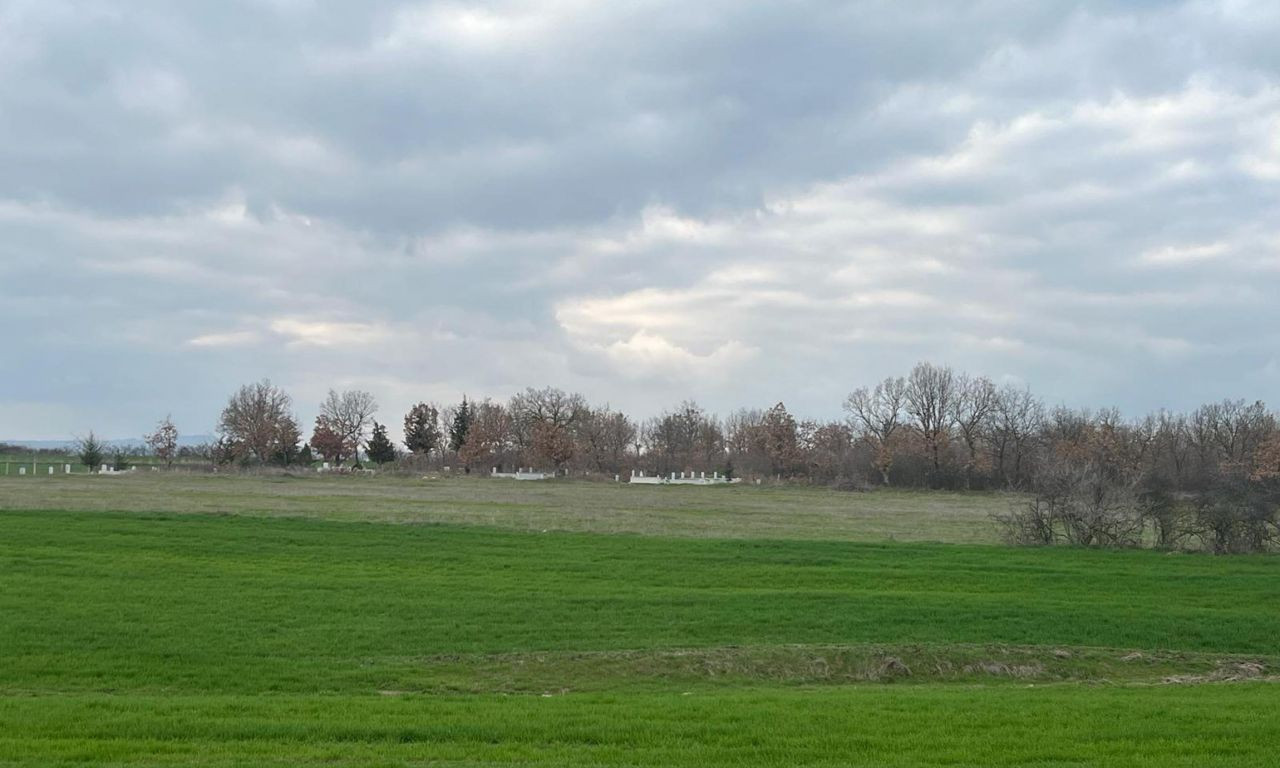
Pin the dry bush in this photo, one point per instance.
(1240, 515)
(1077, 502)
(1030, 524)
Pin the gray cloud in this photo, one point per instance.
(645, 201)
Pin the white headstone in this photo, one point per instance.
(66, 469)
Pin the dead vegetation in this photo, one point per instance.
(830, 665)
(1226, 672)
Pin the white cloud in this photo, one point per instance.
(466, 25)
(1173, 255)
(742, 203)
(328, 333)
(229, 339)
(647, 355)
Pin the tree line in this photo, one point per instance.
(1095, 477)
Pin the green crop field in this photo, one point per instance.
(243, 621)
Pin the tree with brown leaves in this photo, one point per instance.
(164, 441)
(257, 420)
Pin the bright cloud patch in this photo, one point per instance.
(646, 355)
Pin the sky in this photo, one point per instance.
(647, 202)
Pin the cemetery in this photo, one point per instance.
(681, 478)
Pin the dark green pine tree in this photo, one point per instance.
(422, 429)
(91, 451)
(380, 448)
(461, 426)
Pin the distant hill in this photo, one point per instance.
(134, 442)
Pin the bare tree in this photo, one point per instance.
(257, 422)
(1238, 430)
(829, 448)
(971, 411)
(604, 436)
(619, 435)
(348, 415)
(1172, 446)
(1017, 420)
(1034, 522)
(1079, 502)
(1068, 431)
(743, 431)
(685, 438)
(288, 452)
(1102, 511)
(877, 414)
(931, 392)
(549, 405)
(1200, 433)
(1161, 510)
(1239, 514)
(490, 437)
(708, 444)
(542, 421)
(739, 429)
(164, 441)
(781, 437)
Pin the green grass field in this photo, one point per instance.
(590, 507)
(231, 621)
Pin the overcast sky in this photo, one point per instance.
(644, 201)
